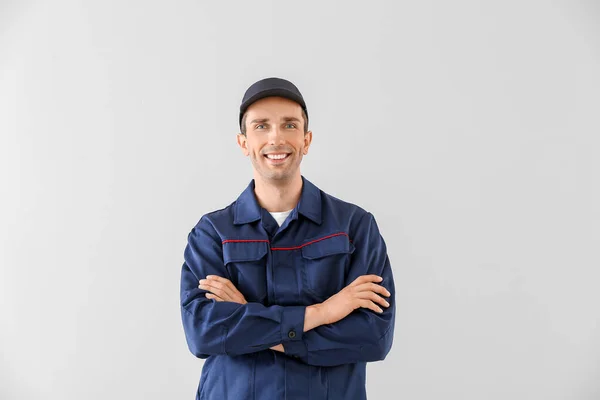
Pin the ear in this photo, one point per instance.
(307, 141)
(242, 142)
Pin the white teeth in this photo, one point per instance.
(276, 156)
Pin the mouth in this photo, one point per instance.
(276, 158)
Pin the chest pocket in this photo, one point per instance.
(325, 265)
(246, 263)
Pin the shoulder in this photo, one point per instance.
(343, 208)
(354, 218)
(212, 220)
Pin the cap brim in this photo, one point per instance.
(279, 92)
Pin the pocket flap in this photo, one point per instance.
(332, 245)
(244, 251)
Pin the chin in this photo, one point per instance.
(277, 176)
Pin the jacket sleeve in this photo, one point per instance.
(212, 327)
(363, 335)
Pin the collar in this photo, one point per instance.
(247, 209)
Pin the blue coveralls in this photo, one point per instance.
(324, 245)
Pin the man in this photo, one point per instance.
(287, 292)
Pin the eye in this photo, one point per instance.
(259, 126)
(290, 125)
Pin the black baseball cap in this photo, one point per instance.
(271, 87)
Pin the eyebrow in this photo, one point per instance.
(285, 119)
(259, 120)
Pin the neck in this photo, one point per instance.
(278, 196)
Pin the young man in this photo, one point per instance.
(287, 292)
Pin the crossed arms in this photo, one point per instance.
(356, 324)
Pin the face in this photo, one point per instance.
(275, 139)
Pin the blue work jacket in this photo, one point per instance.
(323, 245)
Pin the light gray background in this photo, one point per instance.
(469, 129)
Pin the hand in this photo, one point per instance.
(221, 289)
(361, 293)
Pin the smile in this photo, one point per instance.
(275, 159)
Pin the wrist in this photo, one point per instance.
(314, 316)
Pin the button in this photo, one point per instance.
(292, 334)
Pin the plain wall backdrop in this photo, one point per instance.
(469, 129)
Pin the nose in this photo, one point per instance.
(276, 136)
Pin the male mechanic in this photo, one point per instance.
(287, 292)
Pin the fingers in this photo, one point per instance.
(373, 287)
(218, 278)
(370, 305)
(221, 287)
(374, 297)
(371, 292)
(366, 279)
(213, 296)
(216, 291)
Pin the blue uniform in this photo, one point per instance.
(323, 245)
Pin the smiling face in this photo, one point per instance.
(275, 139)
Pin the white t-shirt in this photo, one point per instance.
(280, 216)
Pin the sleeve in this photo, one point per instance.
(363, 335)
(213, 327)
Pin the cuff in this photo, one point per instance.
(292, 324)
(296, 349)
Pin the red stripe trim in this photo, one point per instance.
(311, 242)
(285, 248)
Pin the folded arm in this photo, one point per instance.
(213, 327)
(363, 335)
(346, 328)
